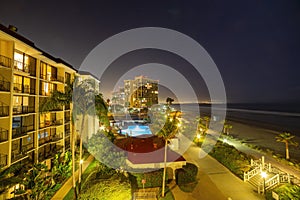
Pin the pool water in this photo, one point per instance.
(137, 130)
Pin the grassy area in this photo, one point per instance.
(236, 161)
(168, 196)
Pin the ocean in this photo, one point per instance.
(278, 117)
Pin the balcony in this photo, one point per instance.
(67, 119)
(45, 124)
(3, 160)
(3, 135)
(67, 132)
(44, 140)
(4, 86)
(21, 131)
(19, 88)
(59, 79)
(23, 110)
(56, 137)
(18, 155)
(57, 122)
(5, 61)
(21, 67)
(4, 110)
(67, 107)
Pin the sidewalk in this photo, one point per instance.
(214, 181)
(63, 191)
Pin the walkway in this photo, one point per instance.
(63, 191)
(214, 181)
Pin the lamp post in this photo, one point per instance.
(198, 139)
(264, 176)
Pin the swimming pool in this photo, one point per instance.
(137, 130)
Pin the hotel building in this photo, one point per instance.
(27, 76)
(141, 92)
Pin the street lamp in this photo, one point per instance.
(198, 138)
(80, 174)
(264, 176)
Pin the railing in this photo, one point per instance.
(57, 79)
(3, 160)
(44, 140)
(56, 137)
(28, 147)
(19, 88)
(5, 61)
(67, 119)
(3, 135)
(20, 66)
(23, 109)
(45, 124)
(57, 122)
(17, 155)
(252, 173)
(4, 110)
(21, 131)
(4, 86)
(275, 180)
(67, 107)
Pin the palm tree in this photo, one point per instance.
(168, 131)
(286, 138)
(202, 128)
(84, 92)
(169, 101)
(226, 128)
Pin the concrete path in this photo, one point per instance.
(63, 191)
(214, 181)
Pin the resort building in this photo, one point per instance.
(118, 97)
(141, 92)
(28, 75)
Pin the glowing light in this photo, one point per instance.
(81, 161)
(225, 140)
(198, 136)
(263, 174)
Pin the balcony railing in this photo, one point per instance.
(67, 107)
(3, 160)
(18, 154)
(67, 119)
(45, 124)
(67, 132)
(21, 131)
(56, 137)
(20, 66)
(4, 110)
(23, 109)
(19, 88)
(27, 147)
(44, 140)
(57, 122)
(4, 86)
(3, 135)
(5, 61)
(57, 79)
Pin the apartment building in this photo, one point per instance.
(27, 76)
(141, 92)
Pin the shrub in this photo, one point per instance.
(285, 192)
(187, 174)
(153, 179)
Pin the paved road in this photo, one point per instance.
(214, 181)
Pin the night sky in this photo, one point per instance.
(255, 43)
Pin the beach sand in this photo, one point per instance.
(263, 137)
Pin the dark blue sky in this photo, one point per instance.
(255, 44)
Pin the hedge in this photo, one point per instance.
(187, 174)
(153, 179)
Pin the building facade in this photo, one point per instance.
(27, 77)
(141, 92)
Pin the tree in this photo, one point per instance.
(287, 139)
(62, 167)
(38, 182)
(105, 151)
(168, 131)
(226, 128)
(169, 101)
(56, 99)
(202, 128)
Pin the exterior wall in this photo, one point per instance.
(27, 77)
